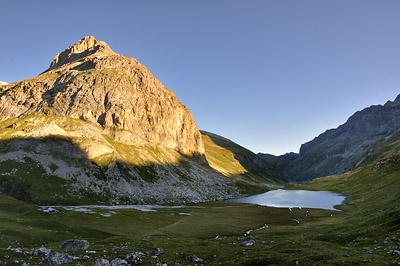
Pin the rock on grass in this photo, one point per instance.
(247, 243)
(102, 262)
(119, 262)
(56, 259)
(134, 259)
(74, 245)
(194, 258)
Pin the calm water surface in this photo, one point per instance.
(295, 198)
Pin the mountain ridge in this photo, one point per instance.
(343, 148)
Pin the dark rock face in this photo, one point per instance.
(341, 149)
(74, 245)
(91, 82)
(361, 129)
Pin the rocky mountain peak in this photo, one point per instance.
(83, 48)
(90, 82)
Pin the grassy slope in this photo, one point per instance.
(233, 160)
(387, 147)
(73, 136)
(29, 181)
(85, 135)
(371, 220)
(221, 159)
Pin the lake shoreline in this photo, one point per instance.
(282, 198)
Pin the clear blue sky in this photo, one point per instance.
(270, 75)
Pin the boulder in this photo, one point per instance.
(157, 251)
(134, 259)
(56, 259)
(194, 258)
(41, 252)
(247, 243)
(119, 262)
(102, 262)
(74, 245)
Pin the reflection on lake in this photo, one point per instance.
(295, 198)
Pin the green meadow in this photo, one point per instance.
(366, 231)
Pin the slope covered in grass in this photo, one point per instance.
(367, 232)
(235, 161)
(63, 160)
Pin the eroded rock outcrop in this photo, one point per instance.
(91, 82)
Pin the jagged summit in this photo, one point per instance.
(83, 48)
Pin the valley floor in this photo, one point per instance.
(367, 231)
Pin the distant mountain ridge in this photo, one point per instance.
(344, 148)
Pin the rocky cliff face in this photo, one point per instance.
(345, 147)
(360, 130)
(90, 82)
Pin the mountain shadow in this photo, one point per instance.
(54, 170)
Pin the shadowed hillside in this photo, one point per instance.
(364, 137)
(231, 159)
(62, 160)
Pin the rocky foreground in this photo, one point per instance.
(47, 257)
